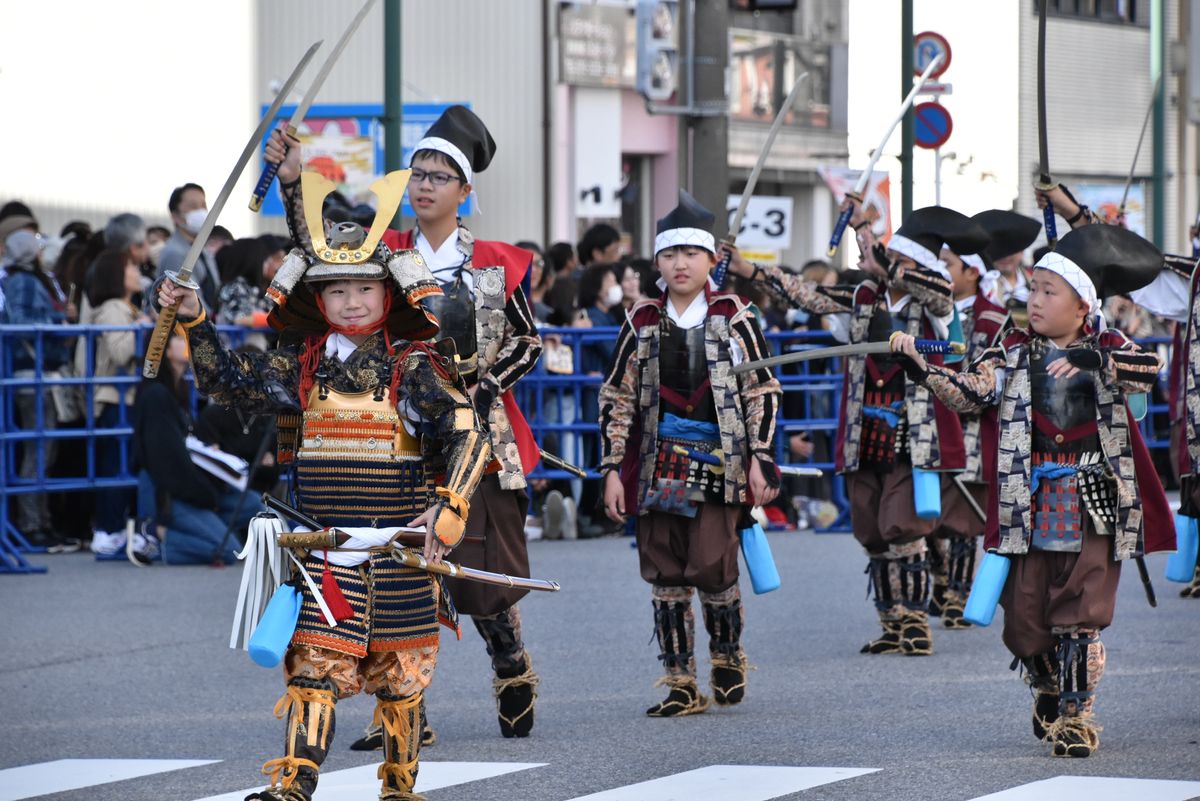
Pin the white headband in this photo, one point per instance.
(918, 253)
(450, 149)
(684, 236)
(1071, 272)
(976, 262)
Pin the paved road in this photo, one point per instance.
(115, 662)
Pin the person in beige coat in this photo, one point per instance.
(115, 280)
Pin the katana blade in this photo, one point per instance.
(855, 349)
(735, 224)
(410, 558)
(1138, 150)
(558, 462)
(1045, 182)
(267, 177)
(856, 195)
(166, 318)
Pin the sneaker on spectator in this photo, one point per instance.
(108, 546)
(142, 546)
(65, 545)
(552, 516)
(570, 521)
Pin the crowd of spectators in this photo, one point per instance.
(102, 277)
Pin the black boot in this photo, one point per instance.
(675, 628)
(399, 718)
(723, 620)
(515, 685)
(1041, 674)
(308, 705)
(372, 738)
(1081, 661)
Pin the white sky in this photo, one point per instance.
(983, 106)
(134, 115)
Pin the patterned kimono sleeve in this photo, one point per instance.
(293, 212)
(759, 389)
(443, 402)
(930, 288)
(795, 291)
(618, 400)
(252, 382)
(1133, 369)
(970, 390)
(520, 348)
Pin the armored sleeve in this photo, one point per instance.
(931, 289)
(795, 291)
(252, 382)
(520, 348)
(760, 389)
(440, 398)
(970, 390)
(618, 400)
(293, 212)
(1133, 369)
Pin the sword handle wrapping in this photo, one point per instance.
(839, 228)
(722, 268)
(1051, 228)
(267, 176)
(939, 346)
(159, 339)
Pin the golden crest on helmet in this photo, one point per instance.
(389, 189)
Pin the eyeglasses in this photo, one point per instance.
(435, 178)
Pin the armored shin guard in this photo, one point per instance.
(308, 706)
(1192, 590)
(675, 628)
(1081, 659)
(1041, 674)
(907, 575)
(939, 571)
(960, 574)
(887, 604)
(372, 738)
(399, 717)
(515, 685)
(723, 618)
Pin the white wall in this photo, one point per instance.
(108, 106)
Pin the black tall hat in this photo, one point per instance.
(1010, 232)
(689, 223)
(461, 135)
(928, 230)
(1113, 259)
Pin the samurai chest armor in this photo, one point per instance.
(357, 464)
(1073, 482)
(683, 369)
(455, 310)
(884, 424)
(688, 467)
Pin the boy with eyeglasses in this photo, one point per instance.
(485, 311)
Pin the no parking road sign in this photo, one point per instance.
(932, 125)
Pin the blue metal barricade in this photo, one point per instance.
(559, 401)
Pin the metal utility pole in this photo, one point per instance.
(1158, 183)
(704, 139)
(906, 126)
(392, 98)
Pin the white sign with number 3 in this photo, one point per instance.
(767, 224)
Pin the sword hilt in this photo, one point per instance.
(159, 339)
(839, 228)
(1045, 185)
(269, 170)
(942, 346)
(722, 268)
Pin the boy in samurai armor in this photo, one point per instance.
(689, 448)
(1073, 490)
(483, 309)
(890, 425)
(953, 546)
(380, 432)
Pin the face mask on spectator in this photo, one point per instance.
(156, 248)
(613, 296)
(194, 219)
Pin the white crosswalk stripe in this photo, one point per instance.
(1097, 788)
(728, 783)
(61, 775)
(354, 784)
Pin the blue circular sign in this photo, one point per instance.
(932, 125)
